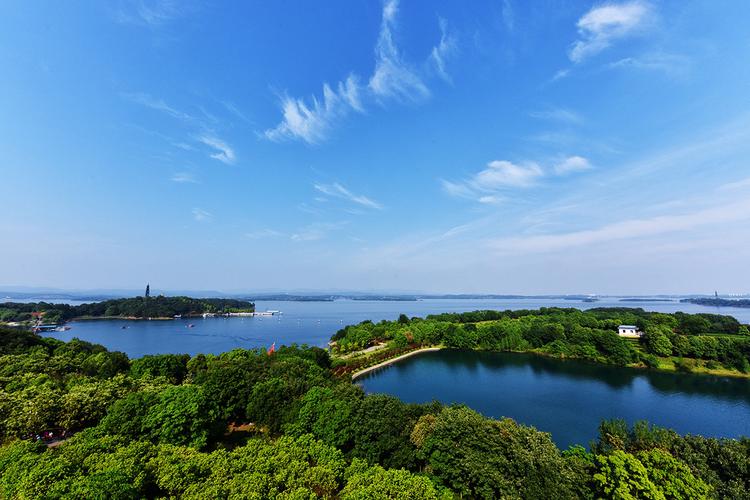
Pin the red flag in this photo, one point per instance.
(272, 349)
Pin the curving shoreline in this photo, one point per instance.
(369, 369)
(701, 372)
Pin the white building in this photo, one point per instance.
(630, 331)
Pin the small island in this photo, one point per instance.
(717, 302)
(133, 308)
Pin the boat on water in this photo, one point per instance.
(48, 328)
(190, 326)
(266, 313)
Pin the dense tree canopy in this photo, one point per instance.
(246, 424)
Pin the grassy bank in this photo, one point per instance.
(359, 363)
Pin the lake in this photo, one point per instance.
(568, 398)
(310, 323)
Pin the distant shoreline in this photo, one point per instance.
(120, 318)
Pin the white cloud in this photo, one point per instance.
(491, 199)
(393, 78)
(156, 104)
(184, 177)
(457, 189)
(508, 16)
(671, 64)
(263, 233)
(232, 108)
(501, 173)
(734, 186)
(312, 122)
(497, 176)
(558, 115)
(560, 74)
(572, 164)
(336, 190)
(603, 24)
(625, 230)
(224, 152)
(182, 145)
(316, 231)
(152, 13)
(442, 51)
(201, 215)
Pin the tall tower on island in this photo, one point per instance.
(145, 301)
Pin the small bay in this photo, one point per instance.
(568, 398)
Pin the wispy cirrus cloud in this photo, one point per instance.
(672, 64)
(509, 18)
(184, 178)
(152, 13)
(316, 231)
(201, 215)
(736, 185)
(557, 114)
(222, 151)
(442, 51)
(336, 190)
(393, 77)
(311, 120)
(156, 104)
(604, 24)
(625, 230)
(263, 233)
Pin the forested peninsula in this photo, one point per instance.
(702, 343)
(128, 308)
(78, 421)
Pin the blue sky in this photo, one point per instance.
(500, 146)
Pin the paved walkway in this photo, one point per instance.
(394, 360)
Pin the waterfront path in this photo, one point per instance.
(369, 369)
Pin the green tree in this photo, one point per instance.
(483, 458)
(657, 341)
(622, 476)
(673, 477)
(127, 416)
(366, 483)
(171, 366)
(183, 415)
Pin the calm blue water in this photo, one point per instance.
(568, 398)
(310, 323)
